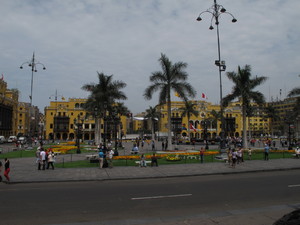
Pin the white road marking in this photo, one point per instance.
(294, 185)
(163, 196)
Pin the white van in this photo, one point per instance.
(2, 139)
(11, 139)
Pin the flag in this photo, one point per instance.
(204, 96)
(2, 77)
(192, 127)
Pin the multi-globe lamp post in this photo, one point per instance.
(216, 11)
(78, 122)
(33, 64)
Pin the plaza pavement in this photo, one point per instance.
(24, 170)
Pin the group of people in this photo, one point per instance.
(44, 158)
(143, 162)
(105, 156)
(236, 156)
(6, 169)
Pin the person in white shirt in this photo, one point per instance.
(42, 159)
(110, 155)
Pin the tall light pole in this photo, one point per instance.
(33, 64)
(216, 10)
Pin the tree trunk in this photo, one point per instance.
(169, 123)
(152, 129)
(245, 143)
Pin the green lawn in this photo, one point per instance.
(163, 161)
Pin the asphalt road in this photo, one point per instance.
(150, 201)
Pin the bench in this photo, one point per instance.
(89, 157)
(139, 162)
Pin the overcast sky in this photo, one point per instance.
(76, 38)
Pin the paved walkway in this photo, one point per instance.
(25, 170)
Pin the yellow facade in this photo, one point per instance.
(61, 121)
(23, 118)
(257, 124)
(8, 110)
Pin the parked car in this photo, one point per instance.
(2, 139)
(11, 139)
(22, 140)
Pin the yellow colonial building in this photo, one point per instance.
(8, 110)
(64, 120)
(206, 124)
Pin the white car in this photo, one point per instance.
(2, 139)
(22, 140)
(11, 139)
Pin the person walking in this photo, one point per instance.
(266, 152)
(50, 160)
(101, 159)
(110, 155)
(249, 154)
(234, 158)
(153, 145)
(202, 154)
(6, 169)
(42, 159)
(0, 171)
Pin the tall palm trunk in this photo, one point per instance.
(169, 123)
(152, 129)
(245, 143)
(97, 131)
(189, 129)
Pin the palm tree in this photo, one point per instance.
(102, 97)
(120, 110)
(152, 114)
(172, 77)
(189, 110)
(243, 89)
(272, 114)
(215, 116)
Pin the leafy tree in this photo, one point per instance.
(189, 110)
(243, 89)
(172, 77)
(102, 98)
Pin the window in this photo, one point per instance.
(51, 125)
(20, 114)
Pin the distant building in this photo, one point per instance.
(8, 109)
(65, 120)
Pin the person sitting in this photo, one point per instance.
(154, 160)
(135, 149)
(143, 161)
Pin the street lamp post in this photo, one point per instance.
(33, 64)
(216, 10)
(78, 122)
